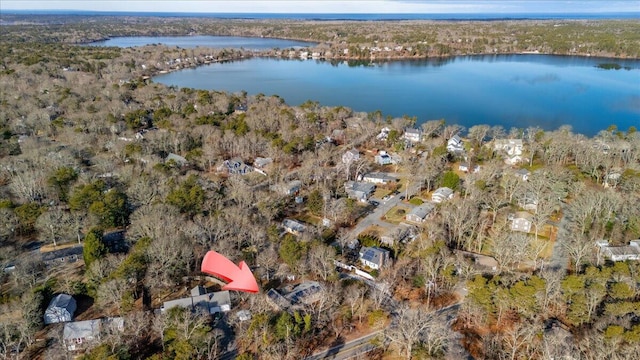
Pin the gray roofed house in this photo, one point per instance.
(304, 293)
(378, 178)
(179, 160)
(290, 188)
(360, 191)
(420, 213)
(374, 257)
(60, 309)
(60, 256)
(442, 194)
(455, 144)
(210, 303)
(620, 253)
(522, 174)
(261, 162)
(413, 135)
(78, 335)
(293, 226)
(350, 156)
(235, 166)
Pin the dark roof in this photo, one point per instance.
(62, 253)
(373, 254)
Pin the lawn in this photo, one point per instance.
(396, 214)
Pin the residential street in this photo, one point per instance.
(349, 349)
(380, 210)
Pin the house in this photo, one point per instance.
(235, 166)
(78, 335)
(611, 179)
(383, 158)
(304, 293)
(350, 156)
(420, 213)
(620, 253)
(528, 201)
(374, 257)
(521, 221)
(413, 135)
(177, 159)
(293, 226)
(513, 159)
(60, 309)
(360, 191)
(209, 303)
(378, 178)
(442, 194)
(261, 162)
(403, 233)
(244, 315)
(62, 256)
(510, 146)
(290, 188)
(464, 166)
(522, 174)
(455, 145)
(384, 133)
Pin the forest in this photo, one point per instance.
(144, 179)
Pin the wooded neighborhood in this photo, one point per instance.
(428, 239)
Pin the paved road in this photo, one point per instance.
(380, 210)
(348, 350)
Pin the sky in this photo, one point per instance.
(331, 6)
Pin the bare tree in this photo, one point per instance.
(417, 326)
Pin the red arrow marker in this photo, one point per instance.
(238, 278)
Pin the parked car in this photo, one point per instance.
(374, 203)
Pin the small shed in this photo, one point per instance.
(60, 309)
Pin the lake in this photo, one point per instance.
(227, 42)
(507, 90)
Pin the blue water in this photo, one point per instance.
(507, 90)
(237, 42)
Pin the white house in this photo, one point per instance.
(350, 156)
(60, 309)
(442, 194)
(620, 253)
(455, 145)
(466, 167)
(378, 178)
(374, 257)
(419, 214)
(384, 133)
(521, 222)
(513, 159)
(413, 135)
(510, 146)
(383, 158)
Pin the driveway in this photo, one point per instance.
(375, 217)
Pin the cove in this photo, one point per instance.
(589, 94)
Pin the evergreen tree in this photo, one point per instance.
(94, 247)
